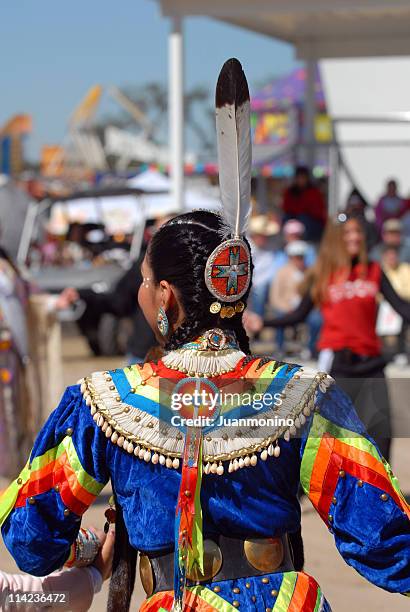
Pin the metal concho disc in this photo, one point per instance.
(265, 554)
(146, 575)
(228, 270)
(212, 563)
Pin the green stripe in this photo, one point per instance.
(133, 376)
(196, 554)
(8, 499)
(309, 456)
(286, 591)
(86, 481)
(319, 427)
(345, 435)
(90, 484)
(212, 598)
(318, 599)
(67, 445)
(38, 463)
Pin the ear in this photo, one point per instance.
(168, 297)
(170, 302)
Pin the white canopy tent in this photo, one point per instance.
(156, 205)
(371, 99)
(150, 181)
(318, 29)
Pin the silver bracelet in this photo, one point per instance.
(87, 547)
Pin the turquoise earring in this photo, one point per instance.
(162, 322)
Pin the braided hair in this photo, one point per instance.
(178, 253)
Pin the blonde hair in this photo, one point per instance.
(333, 261)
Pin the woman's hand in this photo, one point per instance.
(66, 298)
(103, 560)
(252, 322)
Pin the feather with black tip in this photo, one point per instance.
(234, 146)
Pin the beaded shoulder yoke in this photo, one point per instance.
(132, 406)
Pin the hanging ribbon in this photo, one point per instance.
(188, 519)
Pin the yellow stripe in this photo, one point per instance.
(319, 427)
(212, 598)
(8, 498)
(286, 590)
(90, 484)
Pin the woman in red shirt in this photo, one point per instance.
(345, 286)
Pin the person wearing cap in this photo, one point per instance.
(398, 273)
(302, 200)
(390, 206)
(265, 271)
(392, 236)
(285, 295)
(294, 230)
(261, 231)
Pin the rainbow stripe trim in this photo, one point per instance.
(197, 598)
(154, 396)
(59, 466)
(331, 448)
(298, 591)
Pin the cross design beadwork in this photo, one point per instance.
(227, 272)
(232, 271)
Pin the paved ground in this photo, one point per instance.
(344, 588)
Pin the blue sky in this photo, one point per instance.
(51, 52)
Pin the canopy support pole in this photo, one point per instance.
(176, 112)
(310, 112)
(334, 175)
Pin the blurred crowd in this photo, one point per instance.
(285, 249)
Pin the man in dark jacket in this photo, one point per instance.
(122, 301)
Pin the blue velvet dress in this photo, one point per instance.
(113, 427)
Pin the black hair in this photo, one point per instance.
(294, 189)
(123, 567)
(356, 193)
(178, 253)
(302, 171)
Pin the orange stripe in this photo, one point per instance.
(359, 456)
(299, 594)
(163, 599)
(371, 463)
(333, 455)
(321, 465)
(58, 472)
(71, 478)
(36, 477)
